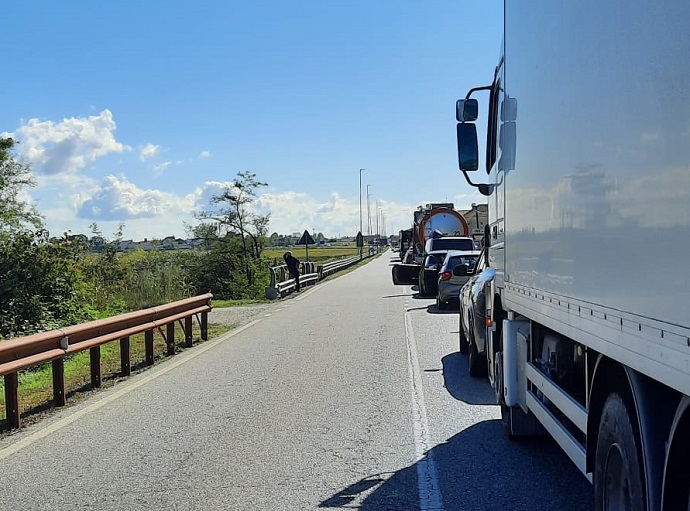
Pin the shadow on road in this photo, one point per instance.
(433, 309)
(478, 469)
(460, 385)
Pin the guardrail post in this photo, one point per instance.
(59, 382)
(148, 346)
(95, 355)
(204, 326)
(125, 366)
(12, 400)
(188, 332)
(170, 338)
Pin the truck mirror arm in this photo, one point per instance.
(483, 188)
(475, 89)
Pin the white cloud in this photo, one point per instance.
(116, 199)
(148, 151)
(150, 213)
(162, 167)
(68, 146)
(295, 212)
(204, 154)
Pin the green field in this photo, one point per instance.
(317, 255)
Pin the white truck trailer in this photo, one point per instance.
(587, 178)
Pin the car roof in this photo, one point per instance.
(452, 238)
(456, 253)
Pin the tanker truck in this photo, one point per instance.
(431, 222)
(587, 168)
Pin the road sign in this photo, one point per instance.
(306, 239)
(360, 240)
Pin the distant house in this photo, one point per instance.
(126, 245)
(476, 218)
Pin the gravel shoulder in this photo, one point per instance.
(238, 316)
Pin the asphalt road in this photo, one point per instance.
(349, 395)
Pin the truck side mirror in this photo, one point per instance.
(466, 110)
(468, 147)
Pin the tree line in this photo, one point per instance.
(49, 282)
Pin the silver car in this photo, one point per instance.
(448, 284)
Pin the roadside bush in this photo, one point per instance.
(154, 277)
(41, 285)
(221, 269)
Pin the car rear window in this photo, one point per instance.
(445, 244)
(469, 260)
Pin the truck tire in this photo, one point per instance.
(618, 478)
(476, 363)
(464, 346)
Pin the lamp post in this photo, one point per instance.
(368, 214)
(360, 208)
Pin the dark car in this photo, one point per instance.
(428, 274)
(473, 317)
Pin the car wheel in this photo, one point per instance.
(476, 363)
(441, 305)
(464, 345)
(618, 478)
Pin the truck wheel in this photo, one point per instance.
(464, 345)
(475, 362)
(618, 480)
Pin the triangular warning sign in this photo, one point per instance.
(306, 239)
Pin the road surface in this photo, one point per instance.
(348, 395)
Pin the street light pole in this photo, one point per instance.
(360, 208)
(368, 215)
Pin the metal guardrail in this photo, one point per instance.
(335, 266)
(53, 346)
(281, 283)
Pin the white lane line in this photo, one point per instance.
(430, 497)
(117, 393)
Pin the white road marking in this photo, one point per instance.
(430, 497)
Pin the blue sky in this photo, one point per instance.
(138, 112)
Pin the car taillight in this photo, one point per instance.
(446, 275)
